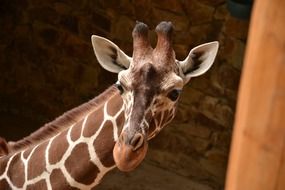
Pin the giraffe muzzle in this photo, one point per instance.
(129, 152)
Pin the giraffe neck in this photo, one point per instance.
(76, 157)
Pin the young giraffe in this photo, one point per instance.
(77, 149)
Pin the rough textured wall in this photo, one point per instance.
(47, 67)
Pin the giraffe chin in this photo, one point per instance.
(128, 159)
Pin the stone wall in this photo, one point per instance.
(47, 67)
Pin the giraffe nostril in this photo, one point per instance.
(137, 141)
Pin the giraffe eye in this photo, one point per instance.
(174, 94)
(119, 87)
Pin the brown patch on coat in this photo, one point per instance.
(93, 123)
(79, 166)
(104, 145)
(36, 163)
(114, 105)
(96, 118)
(27, 152)
(16, 171)
(76, 131)
(4, 185)
(58, 181)
(57, 148)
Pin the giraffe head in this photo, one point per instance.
(150, 83)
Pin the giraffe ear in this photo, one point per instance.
(109, 55)
(199, 60)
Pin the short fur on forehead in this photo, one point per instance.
(148, 73)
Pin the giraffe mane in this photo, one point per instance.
(62, 122)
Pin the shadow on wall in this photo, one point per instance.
(48, 66)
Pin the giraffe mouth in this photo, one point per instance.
(129, 152)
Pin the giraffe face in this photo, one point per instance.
(150, 83)
(150, 97)
(150, 94)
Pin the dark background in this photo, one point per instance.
(48, 66)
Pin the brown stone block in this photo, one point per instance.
(213, 3)
(62, 8)
(221, 12)
(216, 110)
(170, 5)
(190, 96)
(108, 4)
(199, 144)
(184, 114)
(22, 31)
(69, 23)
(228, 77)
(43, 39)
(122, 28)
(198, 131)
(200, 33)
(100, 20)
(77, 4)
(222, 139)
(143, 10)
(236, 28)
(75, 47)
(180, 21)
(44, 14)
(215, 163)
(50, 36)
(199, 13)
(181, 51)
(232, 50)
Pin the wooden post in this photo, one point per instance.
(257, 158)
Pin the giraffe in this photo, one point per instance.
(112, 130)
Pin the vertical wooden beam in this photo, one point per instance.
(257, 158)
(281, 180)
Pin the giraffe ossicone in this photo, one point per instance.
(112, 130)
